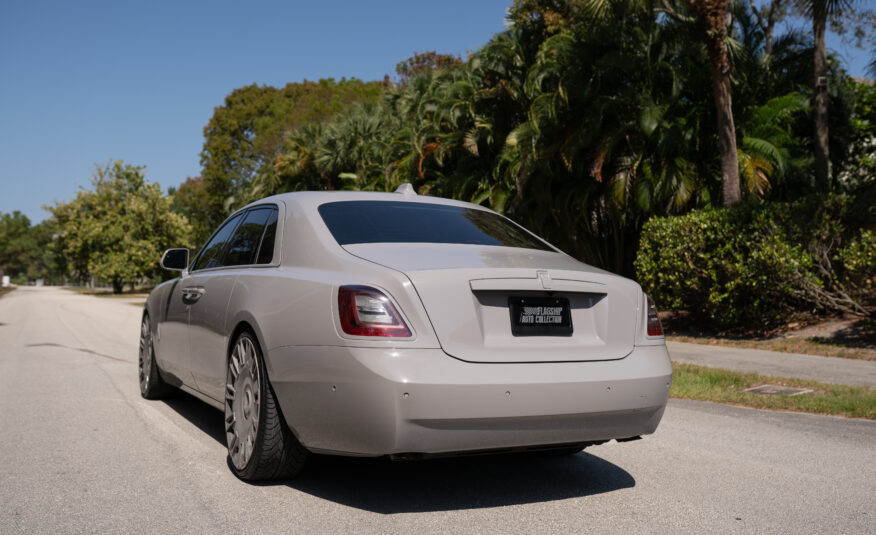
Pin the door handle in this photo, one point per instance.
(192, 294)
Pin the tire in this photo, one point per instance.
(152, 386)
(260, 445)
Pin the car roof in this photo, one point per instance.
(316, 198)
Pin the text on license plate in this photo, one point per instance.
(540, 316)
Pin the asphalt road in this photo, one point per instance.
(80, 451)
(824, 369)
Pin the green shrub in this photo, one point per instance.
(749, 265)
(859, 258)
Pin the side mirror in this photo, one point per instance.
(175, 259)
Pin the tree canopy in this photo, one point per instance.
(581, 120)
(117, 230)
(192, 200)
(25, 249)
(247, 133)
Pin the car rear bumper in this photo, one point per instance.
(374, 401)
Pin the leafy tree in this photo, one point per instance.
(192, 200)
(246, 135)
(767, 16)
(15, 242)
(39, 258)
(25, 253)
(422, 62)
(118, 230)
(858, 172)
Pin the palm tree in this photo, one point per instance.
(766, 141)
(711, 23)
(819, 11)
(609, 135)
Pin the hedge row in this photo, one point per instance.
(753, 265)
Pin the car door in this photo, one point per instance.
(208, 317)
(173, 336)
(201, 308)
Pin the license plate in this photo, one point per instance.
(540, 316)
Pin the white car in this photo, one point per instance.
(390, 324)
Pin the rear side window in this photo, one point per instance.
(352, 222)
(245, 242)
(212, 254)
(266, 251)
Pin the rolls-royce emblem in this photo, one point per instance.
(545, 279)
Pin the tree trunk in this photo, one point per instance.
(768, 26)
(822, 151)
(118, 286)
(726, 138)
(768, 44)
(711, 16)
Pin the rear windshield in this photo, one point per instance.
(414, 222)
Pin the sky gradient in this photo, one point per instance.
(85, 82)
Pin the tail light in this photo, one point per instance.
(365, 311)
(654, 328)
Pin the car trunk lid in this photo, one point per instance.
(467, 291)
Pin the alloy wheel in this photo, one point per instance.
(145, 361)
(242, 402)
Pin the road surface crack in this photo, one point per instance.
(51, 344)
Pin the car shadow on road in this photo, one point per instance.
(206, 418)
(389, 487)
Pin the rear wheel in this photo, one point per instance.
(260, 445)
(152, 386)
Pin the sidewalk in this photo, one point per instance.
(794, 365)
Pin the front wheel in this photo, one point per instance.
(152, 386)
(260, 445)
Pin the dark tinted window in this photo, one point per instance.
(212, 253)
(246, 239)
(266, 251)
(412, 222)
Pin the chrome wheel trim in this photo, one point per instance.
(242, 402)
(145, 360)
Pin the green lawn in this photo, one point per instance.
(725, 386)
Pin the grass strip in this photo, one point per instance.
(806, 346)
(702, 383)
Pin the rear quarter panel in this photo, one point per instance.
(295, 304)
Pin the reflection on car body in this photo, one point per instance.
(375, 324)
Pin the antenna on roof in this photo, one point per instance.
(406, 189)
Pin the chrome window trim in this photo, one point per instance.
(243, 212)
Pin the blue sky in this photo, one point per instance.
(85, 82)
